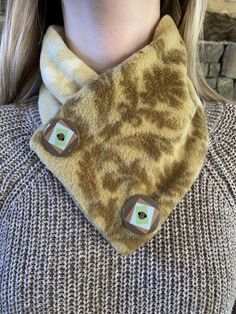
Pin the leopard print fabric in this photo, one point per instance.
(143, 131)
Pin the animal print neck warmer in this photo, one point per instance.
(137, 134)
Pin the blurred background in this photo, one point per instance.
(217, 51)
(218, 56)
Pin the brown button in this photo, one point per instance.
(141, 214)
(60, 137)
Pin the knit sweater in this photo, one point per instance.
(53, 260)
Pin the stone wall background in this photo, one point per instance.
(218, 61)
(218, 58)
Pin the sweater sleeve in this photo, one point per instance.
(222, 158)
(15, 155)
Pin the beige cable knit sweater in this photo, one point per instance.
(52, 260)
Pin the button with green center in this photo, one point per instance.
(141, 214)
(60, 137)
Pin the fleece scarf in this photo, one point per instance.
(142, 130)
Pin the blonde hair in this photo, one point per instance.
(26, 22)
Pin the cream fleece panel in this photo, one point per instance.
(63, 73)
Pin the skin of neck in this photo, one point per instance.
(103, 33)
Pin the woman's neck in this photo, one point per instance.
(105, 32)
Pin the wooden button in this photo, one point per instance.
(60, 137)
(141, 214)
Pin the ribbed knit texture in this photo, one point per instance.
(52, 260)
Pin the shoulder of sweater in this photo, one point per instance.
(17, 160)
(19, 119)
(221, 119)
(17, 124)
(220, 163)
(216, 113)
(219, 115)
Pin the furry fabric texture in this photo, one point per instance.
(142, 129)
